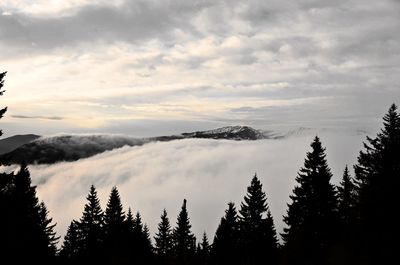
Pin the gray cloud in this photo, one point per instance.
(132, 21)
(56, 118)
(338, 62)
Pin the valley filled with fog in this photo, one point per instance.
(208, 173)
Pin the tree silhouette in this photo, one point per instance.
(91, 228)
(184, 244)
(3, 110)
(114, 230)
(33, 231)
(142, 247)
(225, 245)
(203, 251)
(163, 238)
(312, 215)
(347, 198)
(347, 246)
(377, 173)
(258, 240)
(70, 250)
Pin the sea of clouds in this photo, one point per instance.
(208, 173)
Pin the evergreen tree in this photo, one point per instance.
(114, 216)
(90, 228)
(3, 110)
(142, 247)
(258, 240)
(184, 243)
(114, 230)
(347, 198)
(138, 225)
(377, 173)
(147, 239)
(163, 238)
(25, 227)
(130, 240)
(7, 209)
(347, 202)
(129, 221)
(225, 245)
(203, 251)
(49, 237)
(33, 231)
(70, 250)
(312, 215)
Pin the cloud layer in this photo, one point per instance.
(104, 66)
(207, 173)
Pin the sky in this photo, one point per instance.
(148, 67)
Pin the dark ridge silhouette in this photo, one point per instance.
(11, 143)
(49, 150)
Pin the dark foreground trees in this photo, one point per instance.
(312, 219)
(378, 177)
(258, 240)
(27, 233)
(184, 242)
(3, 110)
(225, 248)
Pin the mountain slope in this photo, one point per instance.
(13, 142)
(49, 150)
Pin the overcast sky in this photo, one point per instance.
(150, 67)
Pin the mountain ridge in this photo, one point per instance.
(58, 148)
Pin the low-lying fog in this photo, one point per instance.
(208, 173)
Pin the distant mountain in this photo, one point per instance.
(49, 150)
(230, 132)
(13, 142)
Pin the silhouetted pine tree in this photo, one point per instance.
(70, 250)
(91, 229)
(3, 110)
(378, 173)
(163, 239)
(225, 245)
(33, 230)
(6, 187)
(141, 242)
(147, 239)
(49, 237)
(347, 198)
(347, 246)
(129, 221)
(114, 230)
(184, 242)
(312, 216)
(129, 239)
(203, 251)
(258, 240)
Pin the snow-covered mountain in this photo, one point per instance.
(52, 149)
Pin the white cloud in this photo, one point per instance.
(207, 173)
